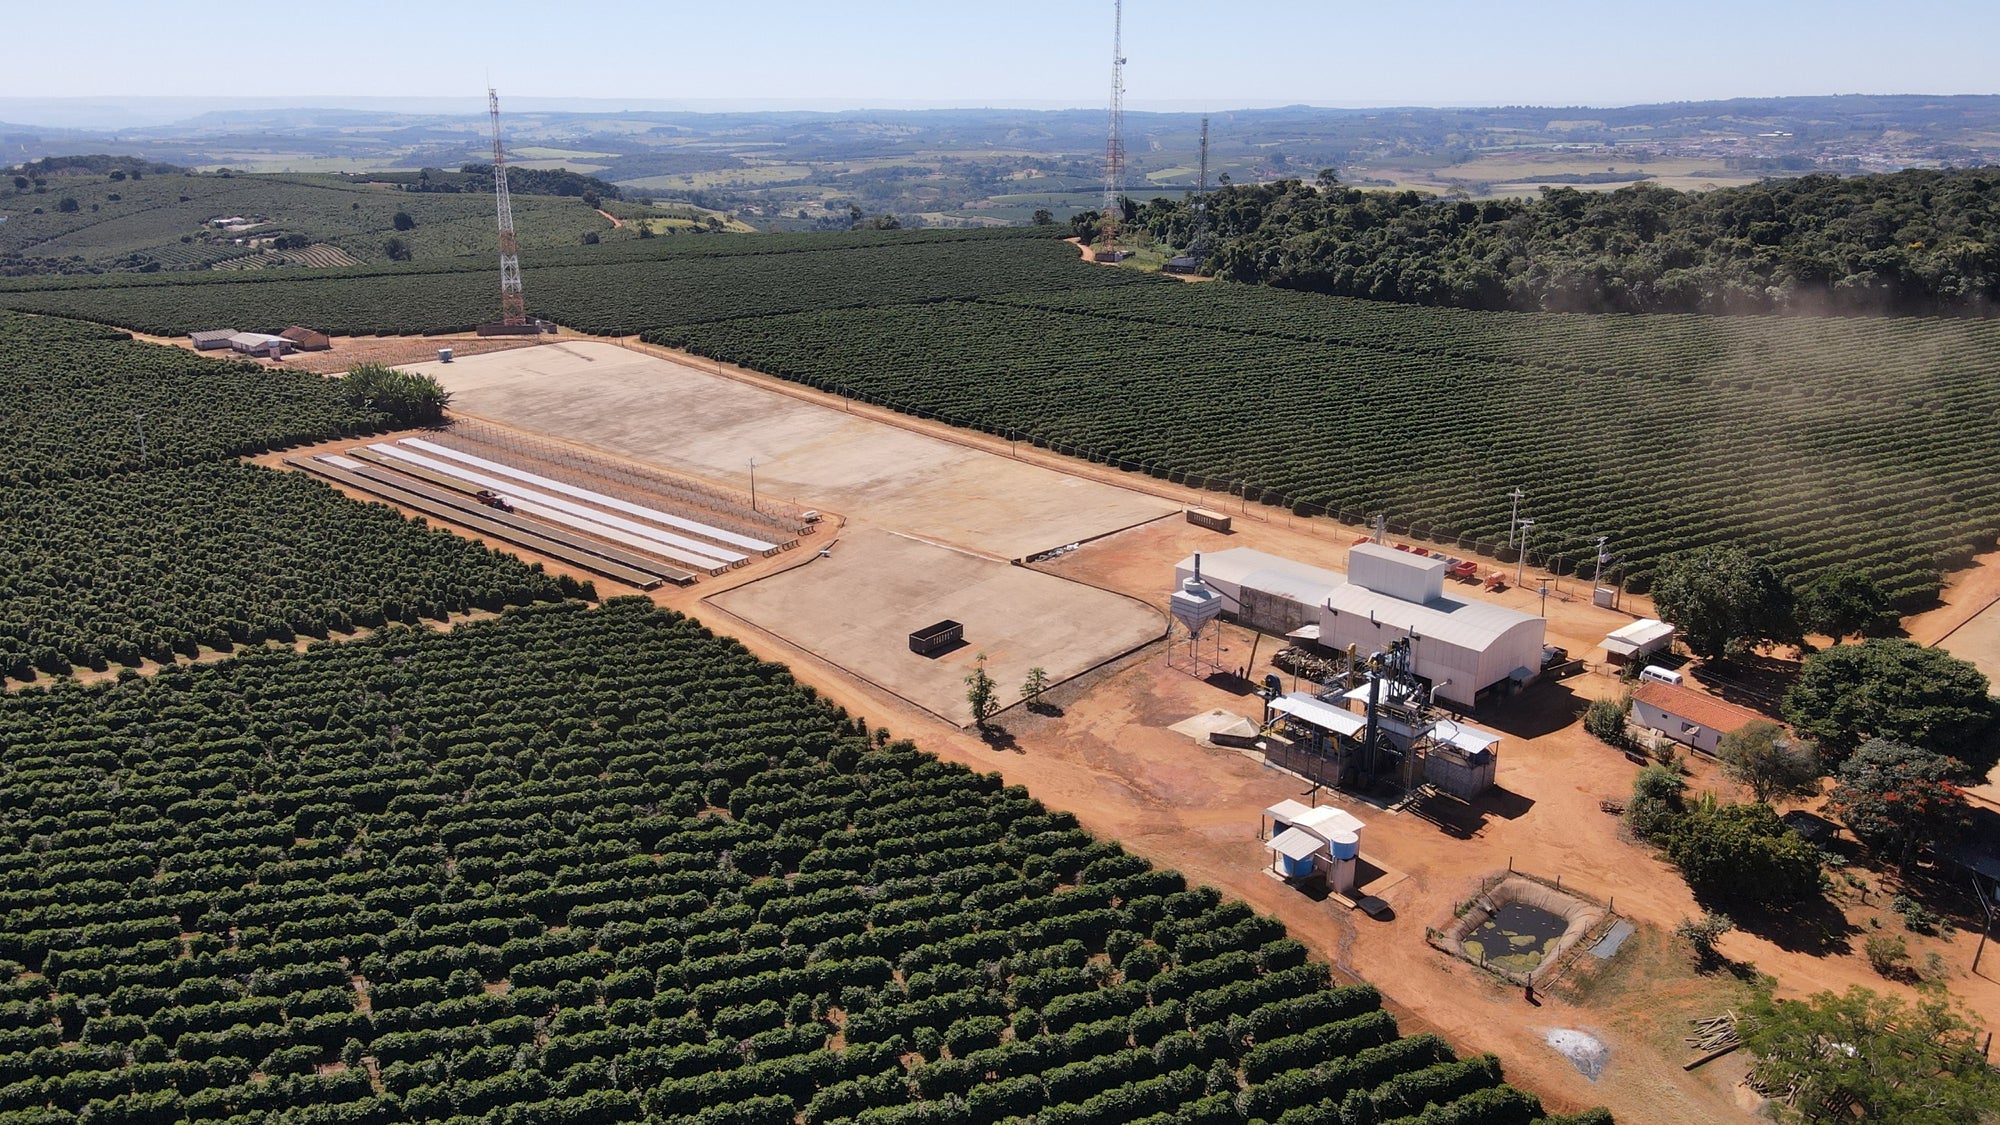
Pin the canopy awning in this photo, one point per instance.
(1295, 843)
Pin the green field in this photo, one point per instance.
(162, 220)
(130, 533)
(1813, 442)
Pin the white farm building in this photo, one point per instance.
(1263, 591)
(1462, 647)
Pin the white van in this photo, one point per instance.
(1659, 675)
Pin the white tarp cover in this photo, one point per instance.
(1295, 843)
(1324, 715)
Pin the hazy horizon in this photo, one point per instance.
(111, 113)
(1038, 54)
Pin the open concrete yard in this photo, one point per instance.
(858, 607)
(694, 421)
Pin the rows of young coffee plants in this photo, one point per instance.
(1872, 443)
(151, 565)
(616, 290)
(593, 866)
(129, 531)
(78, 400)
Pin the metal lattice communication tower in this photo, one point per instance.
(513, 306)
(1114, 145)
(1199, 246)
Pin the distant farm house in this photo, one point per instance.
(307, 339)
(260, 343)
(212, 339)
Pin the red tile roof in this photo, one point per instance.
(1695, 707)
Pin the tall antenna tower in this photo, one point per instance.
(1199, 245)
(1114, 145)
(513, 306)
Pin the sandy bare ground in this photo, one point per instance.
(706, 425)
(857, 606)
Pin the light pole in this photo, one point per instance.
(1522, 569)
(1602, 554)
(753, 484)
(1514, 516)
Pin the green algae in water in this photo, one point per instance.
(1516, 937)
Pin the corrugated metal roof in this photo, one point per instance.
(1469, 739)
(1267, 573)
(1639, 635)
(212, 334)
(1326, 716)
(1326, 820)
(1295, 843)
(1469, 625)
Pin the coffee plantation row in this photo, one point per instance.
(1869, 442)
(600, 865)
(79, 400)
(128, 532)
(154, 565)
(617, 292)
(1883, 453)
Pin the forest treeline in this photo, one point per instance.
(1912, 242)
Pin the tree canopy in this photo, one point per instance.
(1890, 689)
(1917, 241)
(1843, 602)
(1762, 756)
(1893, 1062)
(1899, 799)
(406, 398)
(1723, 598)
(1743, 856)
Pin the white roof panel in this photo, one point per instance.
(1287, 810)
(1324, 715)
(1267, 573)
(1295, 843)
(1326, 820)
(1469, 739)
(1468, 625)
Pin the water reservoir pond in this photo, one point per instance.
(1516, 937)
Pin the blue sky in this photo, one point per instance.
(1030, 52)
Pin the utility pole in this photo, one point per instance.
(753, 484)
(1522, 569)
(1514, 516)
(1602, 555)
